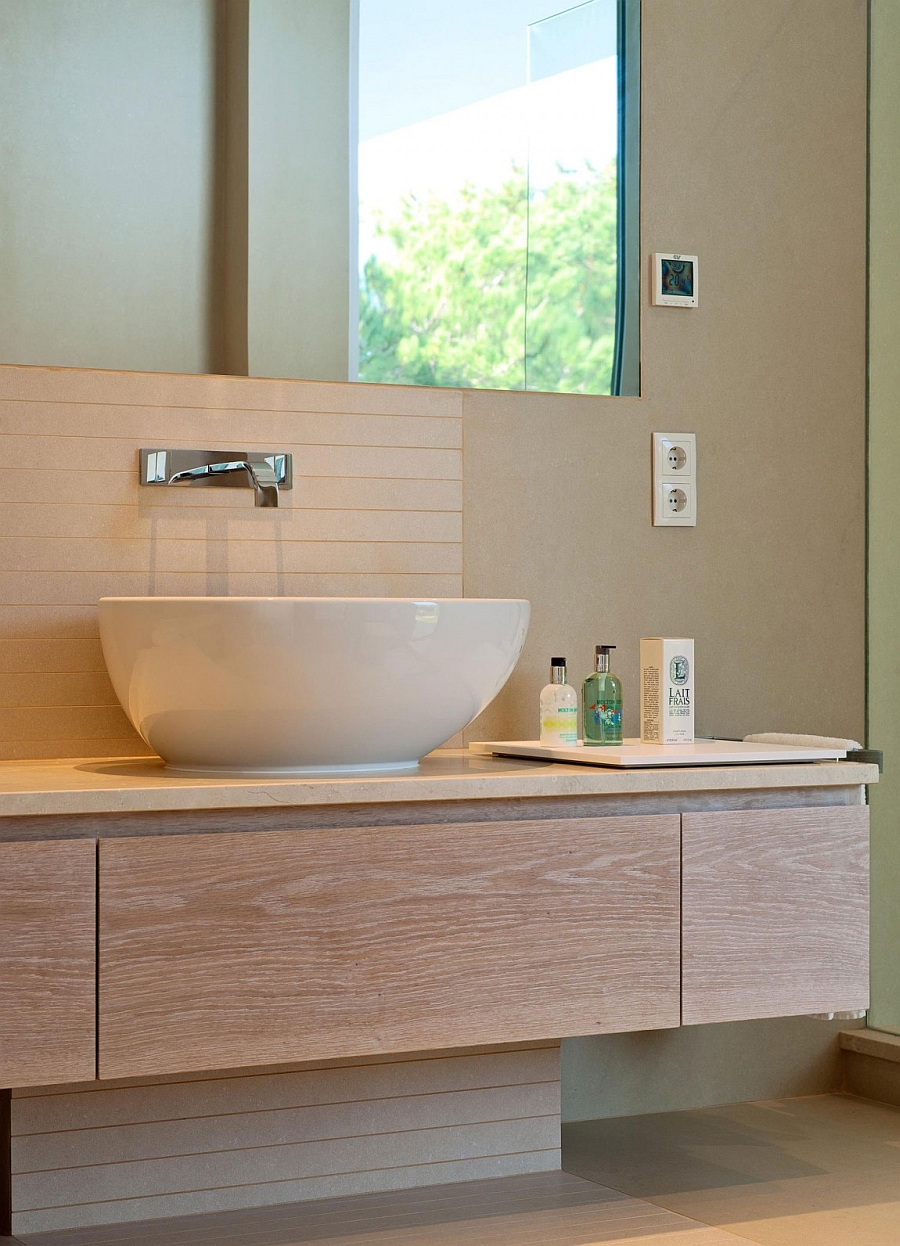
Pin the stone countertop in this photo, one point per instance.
(139, 785)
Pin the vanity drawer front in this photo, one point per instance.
(776, 913)
(219, 951)
(47, 965)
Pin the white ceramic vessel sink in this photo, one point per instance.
(302, 685)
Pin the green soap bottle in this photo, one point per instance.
(601, 700)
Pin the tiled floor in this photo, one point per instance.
(821, 1171)
(551, 1209)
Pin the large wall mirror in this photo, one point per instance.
(422, 193)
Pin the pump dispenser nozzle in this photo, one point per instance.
(601, 657)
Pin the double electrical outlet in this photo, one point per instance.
(674, 480)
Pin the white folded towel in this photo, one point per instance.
(801, 741)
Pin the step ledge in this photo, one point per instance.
(876, 1043)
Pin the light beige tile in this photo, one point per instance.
(539, 1209)
(822, 1171)
(75, 723)
(223, 429)
(75, 385)
(362, 494)
(40, 688)
(54, 522)
(130, 745)
(51, 623)
(38, 555)
(309, 492)
(98, 454)
(19, 657)
(85, 588)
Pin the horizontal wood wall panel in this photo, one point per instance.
(376, 511)
(96, 421)
(100, 1105)
(276, 1165)
(47, 965)
(775, 913)
(86, 587)
(211, 393)
(98, 489)
(87, 688)
(119, 523)
(39, 556)
(102, 747)
(108, 1154)
(22, 656)
(97, 454)
(225, 950)
(286, 1127)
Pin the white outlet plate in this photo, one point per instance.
(675, 504)
(674, 454)
(674, 480)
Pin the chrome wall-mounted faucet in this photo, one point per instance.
(262, 471)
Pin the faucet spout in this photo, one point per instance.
(264, 481)
(262, 477)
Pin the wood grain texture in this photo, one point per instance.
(231, 950)
(775, 913)
(47, 934)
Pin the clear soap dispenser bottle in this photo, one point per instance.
(601, 695)
(559, 709)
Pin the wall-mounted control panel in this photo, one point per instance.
(675, 480)
(676, 280)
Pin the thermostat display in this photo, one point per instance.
(675, 280)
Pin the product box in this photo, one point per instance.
(667, 691)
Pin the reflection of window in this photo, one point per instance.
(491, 240)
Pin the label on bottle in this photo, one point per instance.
(606, 717)
(559, 726)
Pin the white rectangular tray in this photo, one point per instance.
(634, 753)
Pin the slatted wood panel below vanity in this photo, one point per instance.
(376, 510)
(105, 1154)
(228, 950)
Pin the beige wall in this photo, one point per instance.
(754, 158)
(299, 264)
(884, 508)
(106, 150)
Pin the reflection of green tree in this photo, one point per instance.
(449, 307)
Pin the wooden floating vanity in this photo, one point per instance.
(309, 926)
(152, 925)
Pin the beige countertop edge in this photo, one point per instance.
(126, 785)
